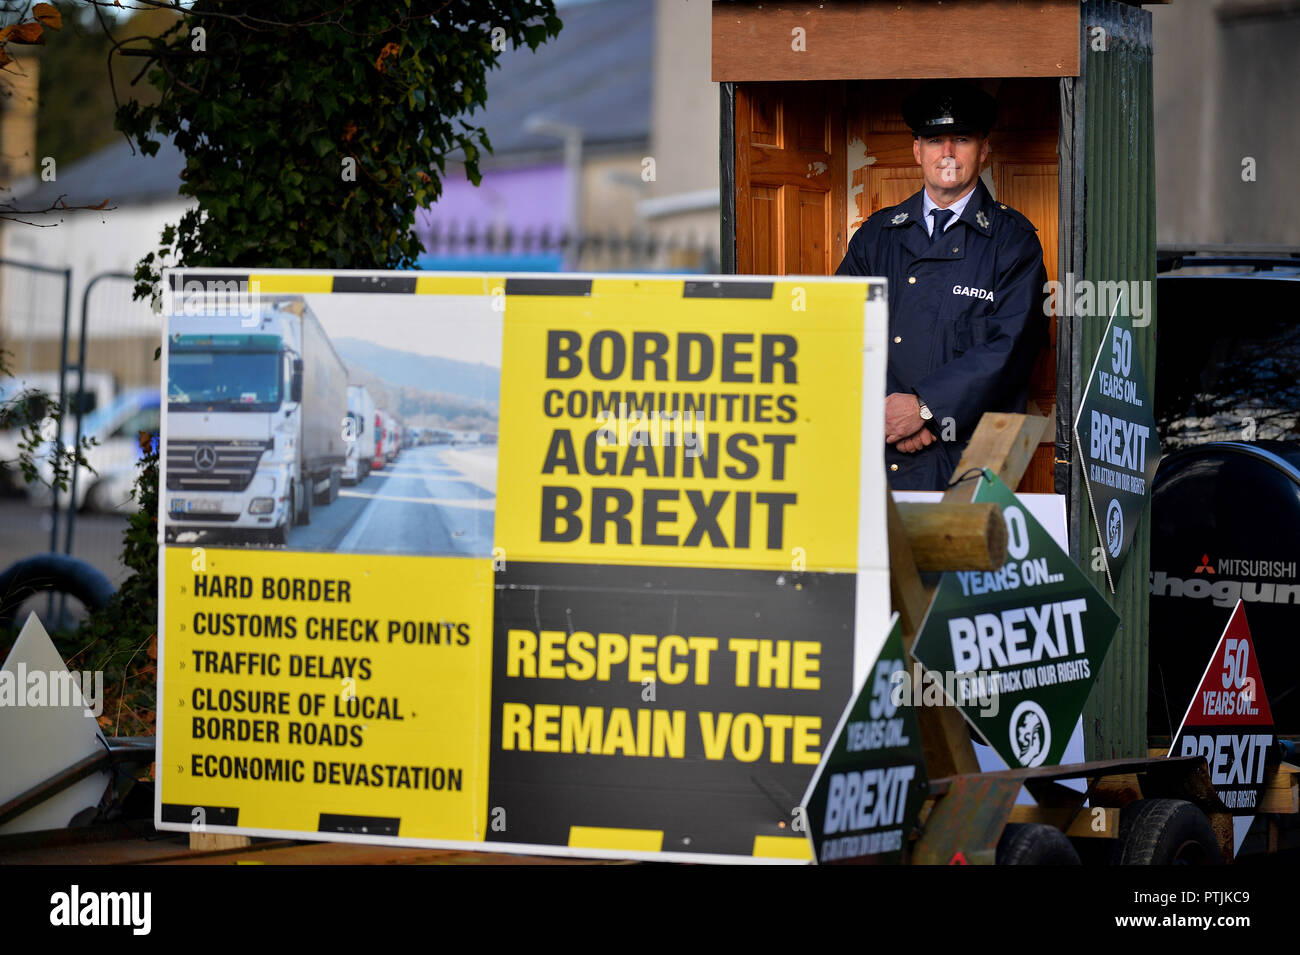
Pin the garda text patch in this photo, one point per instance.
(972, 292)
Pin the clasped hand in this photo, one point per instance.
(904, 427)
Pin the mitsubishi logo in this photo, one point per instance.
(1205, 567)
(205, 457)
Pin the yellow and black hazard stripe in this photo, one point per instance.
(436, 283)
(359, 825)
(199, 816)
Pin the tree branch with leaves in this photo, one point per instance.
(313, 134)
(312, 131)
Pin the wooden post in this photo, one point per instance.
(948, 536)
(214, 841)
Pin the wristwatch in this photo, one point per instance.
(926, 413)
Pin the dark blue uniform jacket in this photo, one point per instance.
(965, 319)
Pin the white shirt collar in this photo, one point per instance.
(927, 204)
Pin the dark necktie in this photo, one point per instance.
(941, 217)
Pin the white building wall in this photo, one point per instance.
(121, 332)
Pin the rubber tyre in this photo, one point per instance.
(1165, 832)
(331, 492)
(1033, 843)
(303, 491)
(51, 572)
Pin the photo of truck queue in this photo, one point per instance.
(351, 423)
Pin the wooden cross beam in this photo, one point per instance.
(1004, 444)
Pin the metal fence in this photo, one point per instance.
(115, 342)
(471, 246)
(91, 350)
(35, 303)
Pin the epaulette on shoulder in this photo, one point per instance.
(1016, 216)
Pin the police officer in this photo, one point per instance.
(966, 290)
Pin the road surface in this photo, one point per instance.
(434, 500)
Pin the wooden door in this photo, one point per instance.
(790, 192)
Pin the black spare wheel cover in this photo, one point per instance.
(1225, 523)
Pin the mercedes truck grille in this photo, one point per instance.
(212, 465)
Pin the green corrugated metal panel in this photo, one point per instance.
(1119, 245)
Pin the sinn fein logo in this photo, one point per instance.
(205, 457)
(1114, 527)
(1031, 733)
(75, 907)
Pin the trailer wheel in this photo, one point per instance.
(1033, 843)
(1165, 832)
(331, 492)
(302, 502)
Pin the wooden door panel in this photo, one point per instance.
(814, 226)
(811, 132)
(791, 228)
(763, 115)
(789, 166)
(764, 213)
(1031, 187)
(888, 186)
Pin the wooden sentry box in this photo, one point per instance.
(812, 142)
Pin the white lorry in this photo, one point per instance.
(392, 437)
(362, 439)
(255, 421)
(381, 442)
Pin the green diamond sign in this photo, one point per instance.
(869, 786)
(1116, 436)
(1017, 650)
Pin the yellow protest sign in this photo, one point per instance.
(564, 564)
